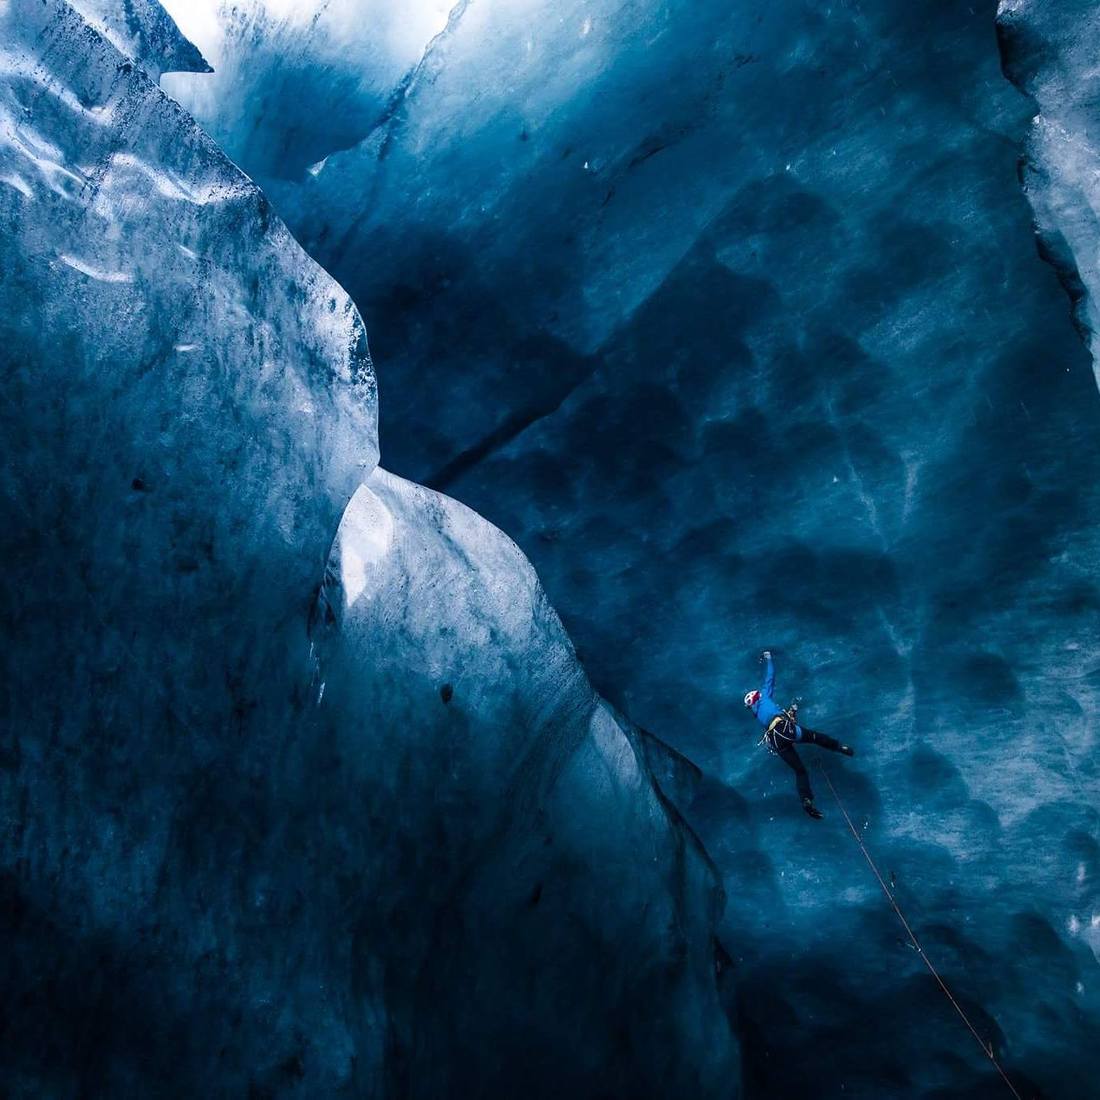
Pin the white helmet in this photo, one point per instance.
(752, 698)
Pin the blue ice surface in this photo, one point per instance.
(734, 320)
(304, 790)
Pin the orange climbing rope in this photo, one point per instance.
(987, 1048)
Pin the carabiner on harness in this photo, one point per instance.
(782, 731)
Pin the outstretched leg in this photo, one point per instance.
(812, 737)
(801, 778)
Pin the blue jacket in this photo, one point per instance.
(767, 708)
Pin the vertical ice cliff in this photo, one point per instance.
(533, 889)
(773, 362)
(1049, 50)
(274, 826)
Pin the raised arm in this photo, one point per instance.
(768, 686)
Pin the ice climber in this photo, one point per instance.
(782, 732)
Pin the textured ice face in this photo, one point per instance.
(143, 31)
(773, 363)
(187, 405)
(293, 81)
(1049, 51)
(388, 843)
(184, 387)
(553, 890)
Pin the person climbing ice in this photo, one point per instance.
(782, 732)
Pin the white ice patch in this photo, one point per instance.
(43, 155)
(95, 273)
(17, 182)
(23, 66)
(366, 535)
(123, 166)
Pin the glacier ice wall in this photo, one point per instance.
(143, 31)
(279, 822)
(550, 899)
(773, 362)
(294, 82)
(1049, 51)
(177, 415)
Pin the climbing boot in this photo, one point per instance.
(847, 750)
(811, 809)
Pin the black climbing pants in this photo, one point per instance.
(786, 752)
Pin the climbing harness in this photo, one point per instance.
(782, 730)
(987, 1047)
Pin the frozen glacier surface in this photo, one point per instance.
(733, 318)
(284, 815)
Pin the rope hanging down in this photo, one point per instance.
(987, 1048)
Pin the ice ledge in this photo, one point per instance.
(144, 32)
